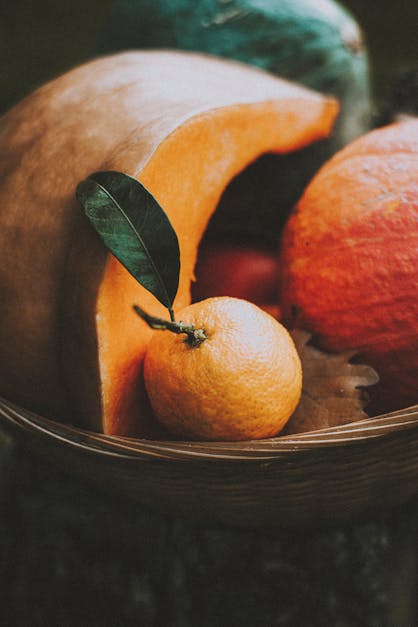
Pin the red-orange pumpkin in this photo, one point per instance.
(349, 259)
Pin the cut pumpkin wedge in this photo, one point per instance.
(184, 124)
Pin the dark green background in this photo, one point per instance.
(40, 39)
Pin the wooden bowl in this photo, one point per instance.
(322, 477)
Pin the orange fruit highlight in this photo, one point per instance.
(242, 382)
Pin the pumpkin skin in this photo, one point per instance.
(184, 124)
(349, 259)
(318, 44)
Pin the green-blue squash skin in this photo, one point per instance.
(314, 42)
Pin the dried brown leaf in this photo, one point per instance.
(333, 388)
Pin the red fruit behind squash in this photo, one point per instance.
(349, 259)
(242, 271)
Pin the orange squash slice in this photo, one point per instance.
(184, 124)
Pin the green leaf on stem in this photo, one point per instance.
(136, 230)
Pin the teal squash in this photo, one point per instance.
(314, 42)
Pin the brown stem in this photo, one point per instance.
(194, 336)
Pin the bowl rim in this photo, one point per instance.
(122, 447)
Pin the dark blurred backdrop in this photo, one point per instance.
(42, 38)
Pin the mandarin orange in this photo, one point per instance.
(242, 382)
